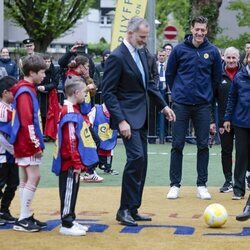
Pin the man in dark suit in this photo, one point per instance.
(126, 88)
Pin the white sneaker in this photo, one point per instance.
(92, 178)
(81, 227)
(202, 193)
(72, 231)
(173, 192)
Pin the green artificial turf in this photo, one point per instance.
(158, 166)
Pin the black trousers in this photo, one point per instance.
(68, 190)
(135, 170)
(242, 147)
(227, 144)
(9, 180)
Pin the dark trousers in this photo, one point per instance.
(68, 190)
(134, 173)
(10, 180)
(199, 114)
(242, 147)
(227, 144)
(105, 162)
(152, 121)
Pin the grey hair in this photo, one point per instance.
(232, 50)
(135, 22)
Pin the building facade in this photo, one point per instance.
(98, 25)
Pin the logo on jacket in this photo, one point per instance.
(206, 55)
(104, 132)
(86, 136)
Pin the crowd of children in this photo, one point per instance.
(84, 142)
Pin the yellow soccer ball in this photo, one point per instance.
(215, 215)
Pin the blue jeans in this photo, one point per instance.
(200, 116)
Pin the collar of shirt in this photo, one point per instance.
(130, 47)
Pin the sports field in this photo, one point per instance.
(158, 167)
(177, 224)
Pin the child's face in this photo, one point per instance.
(38, 77)
(7, 96)
(80, 95)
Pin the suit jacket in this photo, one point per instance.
(124, 93)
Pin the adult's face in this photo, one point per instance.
(247, 47)
(30, 48)
(199, 31)
(162, 56)
(168, 50)
(231, 60)
(5, 53)
(248, 60)
(139, 38)
(48, 63)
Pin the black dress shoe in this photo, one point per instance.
(139, 217)
(125, 218)
(245, 215)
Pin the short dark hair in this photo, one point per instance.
(167, 44)
(199, 19)
(33, 63)
(6, 83)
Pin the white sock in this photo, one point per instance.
(21, 187)
(247, 173)
(27, 197)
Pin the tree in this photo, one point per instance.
(243, 9)
(179, 9)
(243, 19)
(184, 10)
(46, 20)
(209, 9)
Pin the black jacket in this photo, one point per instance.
(221, 96)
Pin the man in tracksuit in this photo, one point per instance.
(193, 73)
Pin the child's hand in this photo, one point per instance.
(77, 171)
(41, 88)
(39, 154)
(91, 86)
(85, 72)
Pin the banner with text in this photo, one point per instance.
(125, 9)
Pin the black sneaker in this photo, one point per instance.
(227, 187)
(2, 222)
(26, 225)
(8, 217)
(237, 196)
(111, 172)
(37, 222)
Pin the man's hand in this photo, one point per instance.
(125, 130)
(169, 113)
(227, 126)
(76, 45)
(212, 129)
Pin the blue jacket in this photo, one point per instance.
(86, 144)
(101, 127)
(193, 74)
(10, 66)
(238, 105)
